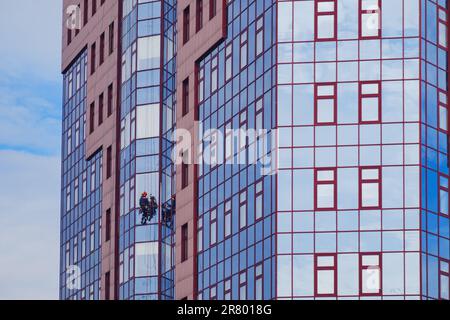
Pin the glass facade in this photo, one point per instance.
(81, 195)
(359, 147)
(434, 150)
(236, 202)
(353, 98)
(146, 257)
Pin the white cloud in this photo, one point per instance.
(29, 220)
(28, 120)
(30, 33)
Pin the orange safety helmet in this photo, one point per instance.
(144, 194)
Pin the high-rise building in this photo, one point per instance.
(305, 144)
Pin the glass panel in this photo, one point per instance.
(325, 282)
(325, 26)
(325, 196)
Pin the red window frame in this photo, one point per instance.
(200, 239)
(259, 34)
(243, 138)
(186, 25)
(443, 188)
(319, 14)
(214, 73)
(363, 181)
(442, 275)
(199, 15)
(325, 97)
(366, 11)
(318, 182)
(243, 204)
(213, 219)
(259, 278)
(227, 215)
(442, 20)
(364, 267)
(259, 194)
(229, 142)
(443, 106)
(243, 285)
(370, 95)
(227, 290)
(201, 84)
(228, 62)
(243, 48)
(318, 269)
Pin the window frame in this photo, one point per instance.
(370, 181)
(214, 70)
(443, 188)
(259, 32)
(243, 47)
(259, 194)
(363, 268)
(213, 227)
(227, 215)
(228, 62)
(442, 274)
(317, 99)
(363, 96)
(360, 20)
(443, 104)
(318, 269)
(318, 182)
(317, 16)
(444, 23)
(243, 204)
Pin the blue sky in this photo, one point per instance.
(30, 129)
